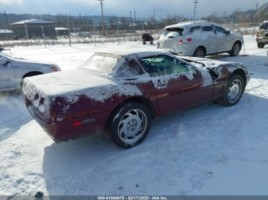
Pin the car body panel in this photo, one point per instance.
(75, 103)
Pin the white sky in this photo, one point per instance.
(143, 8)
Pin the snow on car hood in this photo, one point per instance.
(71, 84)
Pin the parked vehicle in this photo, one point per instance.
(122, 92)
(199, 39)
(13, 71)
(262, 35)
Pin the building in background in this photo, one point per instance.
(6, 34)
(60, 31)
(33, 28)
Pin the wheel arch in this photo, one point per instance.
(200, 46)
(240, 72)
(32, 73)
(142, 100)
(29, 74)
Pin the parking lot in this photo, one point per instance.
(209, 150)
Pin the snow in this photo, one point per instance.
(209, 150)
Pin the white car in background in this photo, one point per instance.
(13, 71)
(200, 38)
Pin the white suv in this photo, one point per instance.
(199, 39)
(262, 35)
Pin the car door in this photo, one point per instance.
(7, 79)
(225, 42)
(177, 85)
(210, 39)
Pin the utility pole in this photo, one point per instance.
(6, 21)
(130, 21)
(255, 17)
(103, 26)
(195, 3)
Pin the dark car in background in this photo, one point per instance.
(262, 35)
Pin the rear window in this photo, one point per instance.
(100, 63)
(264, 25)
(179, 31)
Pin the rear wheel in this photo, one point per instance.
(233, 92)
(130, 125)
(260, 45)
(236, 49)
(200, 52)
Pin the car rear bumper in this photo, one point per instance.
(71, 129)
(262, 40)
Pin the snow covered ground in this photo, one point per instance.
(210, 150)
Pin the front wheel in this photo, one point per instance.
(233, 92)
(130, 125)
(236, 49)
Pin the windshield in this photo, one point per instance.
(177, 31)
(101, 63)
(264, 25)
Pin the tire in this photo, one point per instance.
(130, 125)
(233, 92)
(200, 52)
(260, 45)
(236, 49)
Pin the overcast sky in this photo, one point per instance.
(143, 8)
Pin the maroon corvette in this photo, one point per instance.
(123, 92)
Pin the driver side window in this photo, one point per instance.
(163, 65)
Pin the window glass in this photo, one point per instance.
(179, 31)
(220, 29)
(207, 28)
(129, 69)
(101, 63)
(194, 28)
(163, 65)
(264, 25)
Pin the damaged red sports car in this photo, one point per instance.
(124, 91)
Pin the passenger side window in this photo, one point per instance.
(207, 28)
(220, 29)
(163, 65)
(194, 28)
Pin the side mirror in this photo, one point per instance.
(227, 32)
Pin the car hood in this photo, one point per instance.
(206, 62)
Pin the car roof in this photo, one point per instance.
(191, 23)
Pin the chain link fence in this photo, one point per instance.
(69, 34)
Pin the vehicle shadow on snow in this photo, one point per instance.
(13, 114)
(81, 162)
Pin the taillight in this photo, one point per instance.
(180, 41)
(77, 124)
